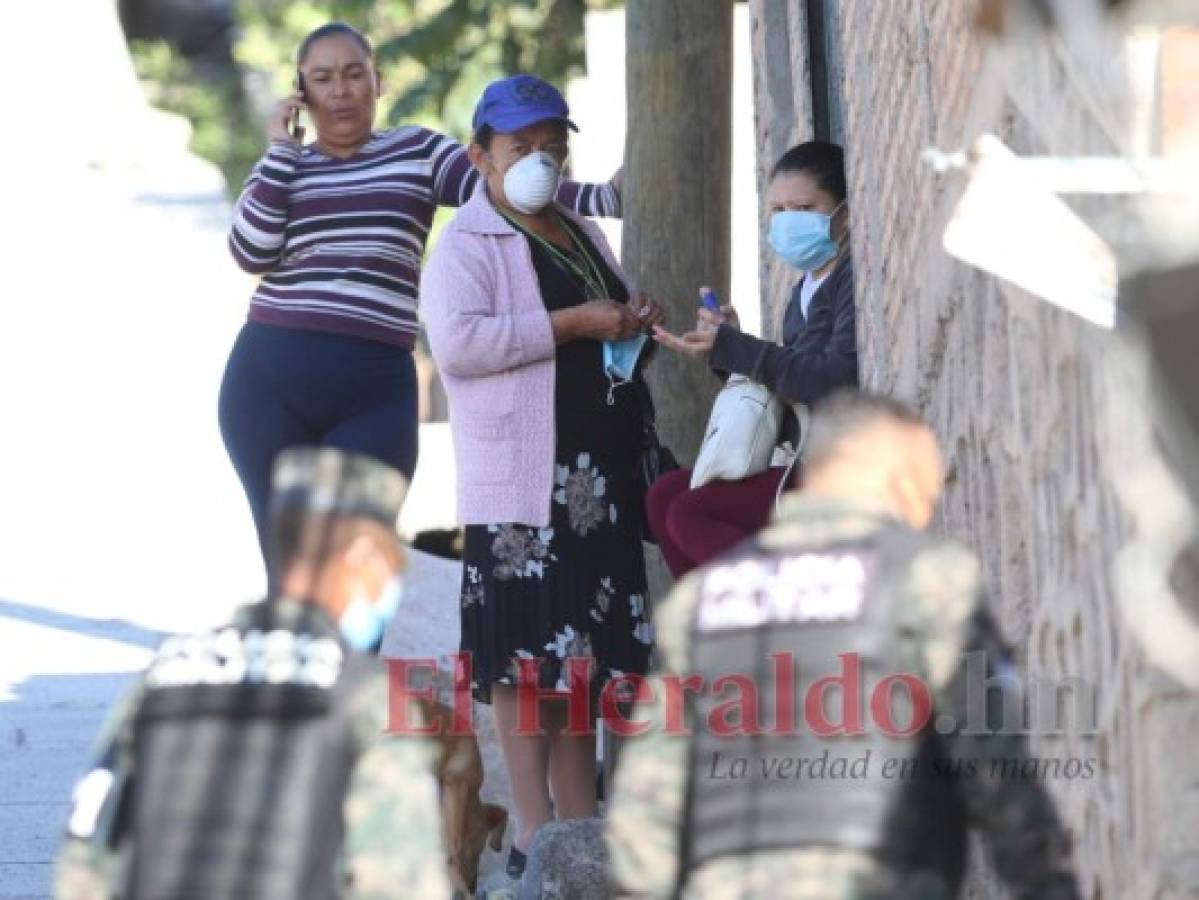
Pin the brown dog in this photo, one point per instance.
(466, 821)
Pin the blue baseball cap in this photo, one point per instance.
(511, 104)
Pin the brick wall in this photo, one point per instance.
(1054, 476)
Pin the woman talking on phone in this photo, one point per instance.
(337, 228)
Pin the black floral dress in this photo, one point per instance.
(576, 588)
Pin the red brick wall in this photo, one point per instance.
(1054, 476)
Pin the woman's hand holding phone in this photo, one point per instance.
(284, 122)
(699, 343)
(712, 314)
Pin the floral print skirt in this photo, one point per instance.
(576, 588)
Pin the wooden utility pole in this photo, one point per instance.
(677, 206)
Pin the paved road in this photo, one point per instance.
(61, 673)
(120, 517)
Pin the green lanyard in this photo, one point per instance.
(589, 272)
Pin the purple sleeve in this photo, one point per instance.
(594, 200)
(260, 216)
(455, 181)
(454, 178)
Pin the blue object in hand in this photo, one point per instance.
(708, 297)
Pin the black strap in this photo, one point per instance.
(591, 275)
(646, 399)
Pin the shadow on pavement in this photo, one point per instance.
(108, 629)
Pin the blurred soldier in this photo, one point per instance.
(842, 581)
(252, 761)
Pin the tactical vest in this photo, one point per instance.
(767, 791)
(244, 753)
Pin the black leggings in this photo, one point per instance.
(286, 386)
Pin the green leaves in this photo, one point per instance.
(223, 130)
(435, 57)
(436, 39)
(479, 40)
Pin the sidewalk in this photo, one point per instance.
(120, 517)
(62, 673)
(55, 691)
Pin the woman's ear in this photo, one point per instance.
(479, 159)
(840, 223)
(378, 83)
(912, 504)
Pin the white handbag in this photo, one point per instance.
(742, 432)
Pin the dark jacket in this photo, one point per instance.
(819, 353)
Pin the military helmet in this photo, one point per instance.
(333, 482)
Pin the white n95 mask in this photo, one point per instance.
(532, 183)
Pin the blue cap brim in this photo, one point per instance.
(515, 121)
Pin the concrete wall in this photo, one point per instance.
(1054, 476)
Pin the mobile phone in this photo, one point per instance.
(297, 130)
(709, 300)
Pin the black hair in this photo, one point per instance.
(483, 135)
(824, 162)
(848, 413)
(329, 29)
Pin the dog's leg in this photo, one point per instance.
(453, 816)
(496, 818)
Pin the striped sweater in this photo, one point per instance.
(339, 242)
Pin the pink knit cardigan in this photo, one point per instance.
(491, 338)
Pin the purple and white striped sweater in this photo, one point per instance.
(339, 242)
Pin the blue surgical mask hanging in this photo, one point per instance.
(620, 361)
(363, 622)
(803, 239)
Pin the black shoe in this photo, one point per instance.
(516, 864)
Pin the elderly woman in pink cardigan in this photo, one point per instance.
(537, 334)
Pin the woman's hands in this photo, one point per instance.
(699, 342)
(726, 316)
(606, 320)
(278, 126)
(649, 313)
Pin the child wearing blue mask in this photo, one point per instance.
(809, 231)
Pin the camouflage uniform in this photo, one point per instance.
(392, 844)
(943, 602)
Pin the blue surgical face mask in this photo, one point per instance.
(364, 621)
(803, 239)
(620, 360)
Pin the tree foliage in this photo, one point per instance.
(435, 56)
